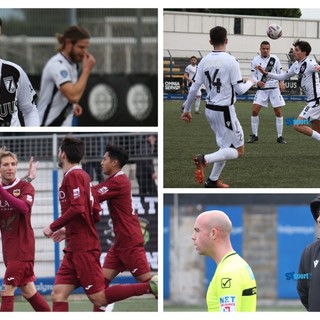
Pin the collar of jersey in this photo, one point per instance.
(76, 167)
(12, 184)
(66, 58)
(229, 254)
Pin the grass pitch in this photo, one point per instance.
(265, 164)
(134, 304)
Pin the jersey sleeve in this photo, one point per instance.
(235, 73)
(106, 190)
(26, 97)
(60, 74)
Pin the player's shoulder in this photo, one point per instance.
(12, 65)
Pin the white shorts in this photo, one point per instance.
(311, 111)
(274, 95)
(226, 127)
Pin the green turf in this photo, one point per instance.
(265, 164)
(132, 304)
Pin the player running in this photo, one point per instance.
(221, 75)
(307, 71)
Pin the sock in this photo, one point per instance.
(102, 309)
(7, 304)
(222, 154)
(38, 303)
(255, 125)
(124, 291)
(279, 125)
(197, 105)
(60, 306)
(216, 170)
(315, 135)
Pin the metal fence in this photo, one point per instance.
(122, 40)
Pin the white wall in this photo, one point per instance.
(190, 31)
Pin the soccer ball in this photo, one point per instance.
(274, 31)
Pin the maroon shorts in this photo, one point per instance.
(81, 269)
(132, 259)
(19, 273)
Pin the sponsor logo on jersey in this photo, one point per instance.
(29, 198)
(315, 262)
(62, 195)
(225, 283)
(64, 73)
(76, 193)
(103, 190)
(228, 304)
(16, 192)
(9, 84)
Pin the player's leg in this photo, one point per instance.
(315, 124)
(278, 102)
(36, 300)
(7, 298)
(59, 295)
(254, 122)
(308, 112)
(197, 102)
(230, 141)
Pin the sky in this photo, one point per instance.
(310, 13)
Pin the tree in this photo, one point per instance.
(288, 13)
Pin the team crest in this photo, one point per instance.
(10, 84)
(16, 192)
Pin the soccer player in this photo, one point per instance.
(127, 251)
(16, 96)
(307, 71)
(189, 75)
(61, 88)
(221, 75)
(233, 286)
(267, 90)
(80, 265)
(18, 241)
(308, 288)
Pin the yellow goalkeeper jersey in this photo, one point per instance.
(233, 286)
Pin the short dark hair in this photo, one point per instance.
(265, 42)
(117, 153)
(218, 35)
(193, 57)
(73, 148)
(303, 45)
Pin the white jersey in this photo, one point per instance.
(308, 77)
(16, 94)
(219, 71)
(191, 71)
(270, 64)
(54, 107)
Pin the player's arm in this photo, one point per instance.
(14, 202)
(26, 97)
(73, 91)
(284, 76)
(32, 170)
(106, 190)
(242, 87)
(302, 287)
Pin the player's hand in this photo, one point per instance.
(32, 170)
(282, 86)
(261, 84)
(88, 61)
(77, 110)
(47, 232)
(259, 68)
(186, 117)
(59, 235)
(317, 68)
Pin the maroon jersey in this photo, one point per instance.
(18, 242)
(116, 190)
(77, 212)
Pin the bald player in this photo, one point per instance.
(233, 286)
